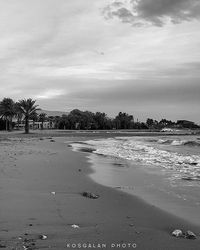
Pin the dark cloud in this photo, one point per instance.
(156, 12)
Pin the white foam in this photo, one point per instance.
(138, 150)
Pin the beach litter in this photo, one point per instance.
(75, 226)
(54, 193)
(90, 195)
(42, 237)
(177, 233)
(188, 234)
(2, 246)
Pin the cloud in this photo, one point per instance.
(67, 55)
(50, 94)
(154, 12)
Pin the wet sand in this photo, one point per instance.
(41, 185)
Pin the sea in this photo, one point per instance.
(162, 170)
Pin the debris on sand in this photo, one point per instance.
(54, 193)
(52, 140)
(75, 226)
(2, 246)
(177, 233)
(187, 178)
(90, 195)
(190, 235)
(42, 237)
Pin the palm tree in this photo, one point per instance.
(28, 107)
(7, 111)
(18, 113)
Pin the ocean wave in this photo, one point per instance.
(164, 141)
(146, 153)
(192, 143)
(191, 178)
(179, 142)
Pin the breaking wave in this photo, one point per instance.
(179, 142)
(147, 152)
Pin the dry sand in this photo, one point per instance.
(41, 185)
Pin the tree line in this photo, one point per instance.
(78, 119)
(26, 109)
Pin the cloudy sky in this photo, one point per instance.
(136, 56)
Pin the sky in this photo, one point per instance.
(136, 56)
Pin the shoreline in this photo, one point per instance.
(151, 187)
(42, 167)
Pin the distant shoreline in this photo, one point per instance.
(93, 133)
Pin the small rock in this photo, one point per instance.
(52, 140)
(30, 225)
(79, 170)
(187, 178)
(190, 235)
(75, 226)
(2, 246)
(90, 195)
(54, 193)
(177, 233)
(42, 237)
(131, 225)
(194, 163)
(137, 232)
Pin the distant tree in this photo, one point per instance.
(7, 111)
(186, 124)
(150, 122)
(28, 107)
(42, 119)
(166, 123)
(100, 120)
(123, 121)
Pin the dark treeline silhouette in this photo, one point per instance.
(78, 119)
(87, 120)
(14, 114)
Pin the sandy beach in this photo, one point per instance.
(42, 206)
